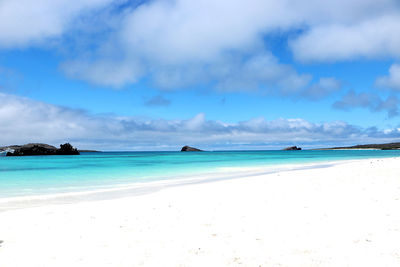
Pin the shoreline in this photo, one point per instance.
(343, 215)
(140, 188)
(46, 175)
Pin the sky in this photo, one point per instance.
(215, 74)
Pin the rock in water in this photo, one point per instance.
(292, 148)
(67, 149)
(189, 148)
(37, 149)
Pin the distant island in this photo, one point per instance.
(189, 148)
(38, 149)
(388, 146)
(292, 148)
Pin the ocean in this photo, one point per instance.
(35, 175)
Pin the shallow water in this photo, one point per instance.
(24, 176)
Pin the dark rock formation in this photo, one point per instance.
(189, 148)
(292, 148)
(67, 149)
(37, 149)
(31, 149)
(387, 146)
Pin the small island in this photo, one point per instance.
(292, 148)
(189, 148)
(38, 149)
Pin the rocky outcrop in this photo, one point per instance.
(37, 149)
(189, 148)
(292, 148)
(67, 149)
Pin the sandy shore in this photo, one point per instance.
(344, 215)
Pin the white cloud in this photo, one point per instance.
(23, 22)
(179, 43)
(194, 28)
(24, 120)
(371, 38)
(182, 30)
(185, 42)
(391, 81)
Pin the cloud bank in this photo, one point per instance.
(180, 43)
(26, 22)
(23, 120)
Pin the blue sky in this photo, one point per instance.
(156, 75)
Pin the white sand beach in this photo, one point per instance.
(343, 215)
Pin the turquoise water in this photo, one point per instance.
(22, 176)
